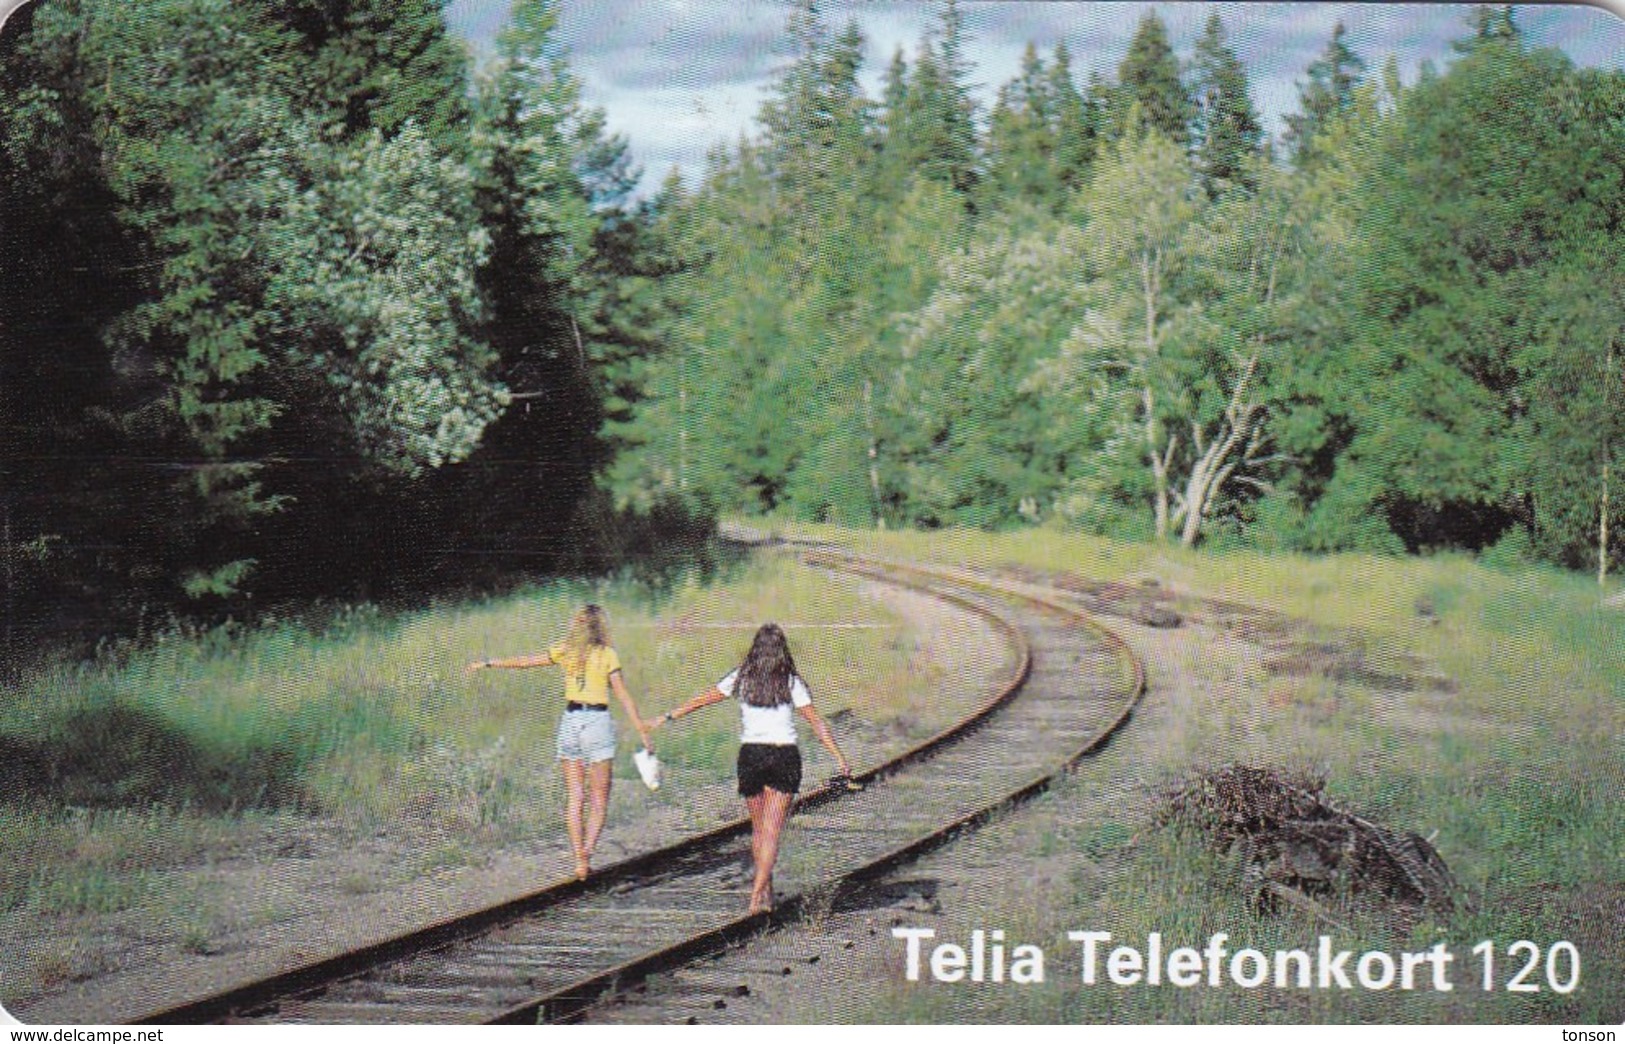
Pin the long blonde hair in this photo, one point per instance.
(589, 630)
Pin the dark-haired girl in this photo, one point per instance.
(586, 738)
(769, 692)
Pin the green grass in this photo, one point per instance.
(1533, 651)
(1518, 772)
(1171, 884)
(182, 750)
(93, 890)
(97, 860)
(175, 751)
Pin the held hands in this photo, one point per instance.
(648, 725)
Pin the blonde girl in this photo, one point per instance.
(586, 743)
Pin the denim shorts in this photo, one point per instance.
(586, 735)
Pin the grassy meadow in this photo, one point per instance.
(1517, 770)
(165, 757)
(122, 772)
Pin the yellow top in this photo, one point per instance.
(587, 682)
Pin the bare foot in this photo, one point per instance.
(583, 866)
(761, 903)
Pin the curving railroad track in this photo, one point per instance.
(548, 956)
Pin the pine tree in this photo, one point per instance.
(767, 319)
(892, 166)
(1022, 141)
(1329, 92)
(958, 116)
(1077, 125)
(1227, 127)
(1149, 78)
(219, 192)
(1107, 102)
(283, 345)
(199, 145)
(817, 135)
(937, 129)
(77, 440)
(536, 210)
(656, 255)
(376, 64)
(1489, 23)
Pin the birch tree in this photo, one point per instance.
(1241, 260)
(1139, 206)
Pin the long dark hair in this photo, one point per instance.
(764, 677)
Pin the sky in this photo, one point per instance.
(678, 76)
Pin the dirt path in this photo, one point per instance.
(296, 890)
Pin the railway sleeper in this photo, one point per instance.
(705, 890)
(353, 1013)
(449, 995)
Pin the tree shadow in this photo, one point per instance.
(117, 756)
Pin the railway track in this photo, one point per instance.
(548, 956)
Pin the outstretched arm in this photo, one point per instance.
(821, 729)
(704, 699)
(618, 683)
(514, 662)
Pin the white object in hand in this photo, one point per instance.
(648, 767)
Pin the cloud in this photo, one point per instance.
(679, 76)
(690, 44)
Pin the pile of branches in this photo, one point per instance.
(1296, 844)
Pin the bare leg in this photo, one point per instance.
(775, 810)
(575, 787)
(599, 778)
(753, 805)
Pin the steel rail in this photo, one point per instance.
(570, 1002)
(246, 999)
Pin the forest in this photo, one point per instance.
(303, 301)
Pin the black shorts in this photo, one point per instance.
(769, 765)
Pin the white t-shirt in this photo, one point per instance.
(775, 725)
